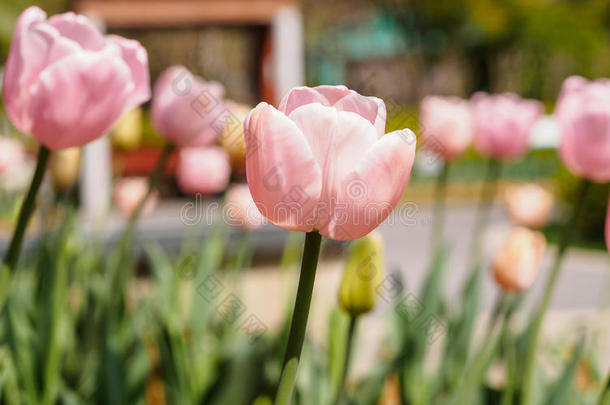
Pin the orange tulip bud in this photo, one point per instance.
(529, 205)
(517, 264)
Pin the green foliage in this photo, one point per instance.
(537, 32)
(590, 230)
(77, 326)
(10, 10)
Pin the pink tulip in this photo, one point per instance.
(240, 209)
(187, 109)
(65, 83)
(446, 125)
(583, 111)
(203, 170)
(11, 154)
(129, 191)
(503, 123)
(322, 162)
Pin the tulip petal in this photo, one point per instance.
(336, 138)
(368, 194)
(79, 29)
(332, 94)
(135, 56)
(284, 178)
(78, 98)
(300, 96)
(371, 108)
(35, 45)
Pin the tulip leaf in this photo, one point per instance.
(559, 392)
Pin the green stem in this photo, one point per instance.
(311, 251)
(564, 242)
(604, 398)
(479, 365)
(120, 271)
(499, 308)
(27, 208)
(439, 208)
(153, 183)
(348, 351)
(488, 194)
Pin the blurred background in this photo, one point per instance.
(398, 50)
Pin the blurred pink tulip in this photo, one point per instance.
(65, 83)
(187, 109)
(583, 111)
(203, 170)
(446, 125)
(517, 264)
(240, 209)
(322, 162)
(529, 205)
(12, 154)
(503, 123)
(129, 191)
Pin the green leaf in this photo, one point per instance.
(560, 391)
(337, 329)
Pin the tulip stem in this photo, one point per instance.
(153, 183)
(439, 208)
(353, 320)
(311, 252)
(536, 323)
(488, 194)
(500, 306)
(604, 398)
(479, 365)
(27, 208)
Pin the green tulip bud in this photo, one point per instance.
(363, 273)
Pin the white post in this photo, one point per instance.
(95, 188)
(288, 54)
(96, 169)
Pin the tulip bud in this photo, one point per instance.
(517, 264)
(127, 133)
(447, 125)
(240, 210)
(363, 273)
(128, 192)
(529, 205)
(583, 115)
(322, 162)
(186, 109)
(203, 170)
(12, 154)
(503, 123)
(66, 167)
(232, 137)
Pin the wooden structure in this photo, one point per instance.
(281, 66)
